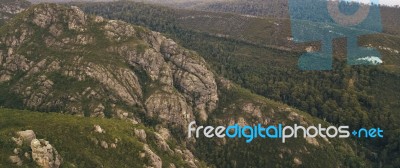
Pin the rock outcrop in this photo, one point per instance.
(155, 160)
(44, 154)
(16, 160)
(8, 9)
(141, 134)
(111, 68)
(98, 129)
(26, 136)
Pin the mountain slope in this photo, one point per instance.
(241, 48)
(54, 48)
(80, 146)
(58, 59)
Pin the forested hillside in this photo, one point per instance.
(359, 96)
(143, 88)
(270, 9)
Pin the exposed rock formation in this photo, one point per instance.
(16, 160)
(162, 144)
(106, 75)
(155, 161)
(104, 144)
(9, 8)
(98, 129)
(44, 154)
(141, 134)
(26, 136)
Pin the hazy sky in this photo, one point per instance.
(386, 2)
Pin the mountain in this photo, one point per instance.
(259, 54)
(115, 68)
(56, 58)
(8, 8)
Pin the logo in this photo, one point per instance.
(326, 20)
(279, 132)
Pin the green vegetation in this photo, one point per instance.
(73, 137)
(270, 152)
(359, 96)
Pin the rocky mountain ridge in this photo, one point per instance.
(56, 58)
(178, 85)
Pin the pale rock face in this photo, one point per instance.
(17, 141)
(189, 158)
(129, 91)
(165, 133)
(44, 154)
(43, 18)
(141, 134)
(27, 155)
(162, 144)
(27, 136)
(98, 111)
(104, 144)
(171, 108)
(114, 30)
(76, 19)
(17, 151)
(172, 165)
(297, 161)
(98, 129)
(15, 160)
(142, 72)
(155, 160)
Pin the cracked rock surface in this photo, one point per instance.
(111, 69)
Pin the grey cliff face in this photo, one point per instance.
(60, 59)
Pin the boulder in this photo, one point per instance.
(141, 134)
(26, 136)
(44, 154)
(104, 144)
(98, 129)
(16, 160)
(155, 160)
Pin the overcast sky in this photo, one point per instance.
(386, 2)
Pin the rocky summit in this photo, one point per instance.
(116, 69)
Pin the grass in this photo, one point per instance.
(72, 137)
